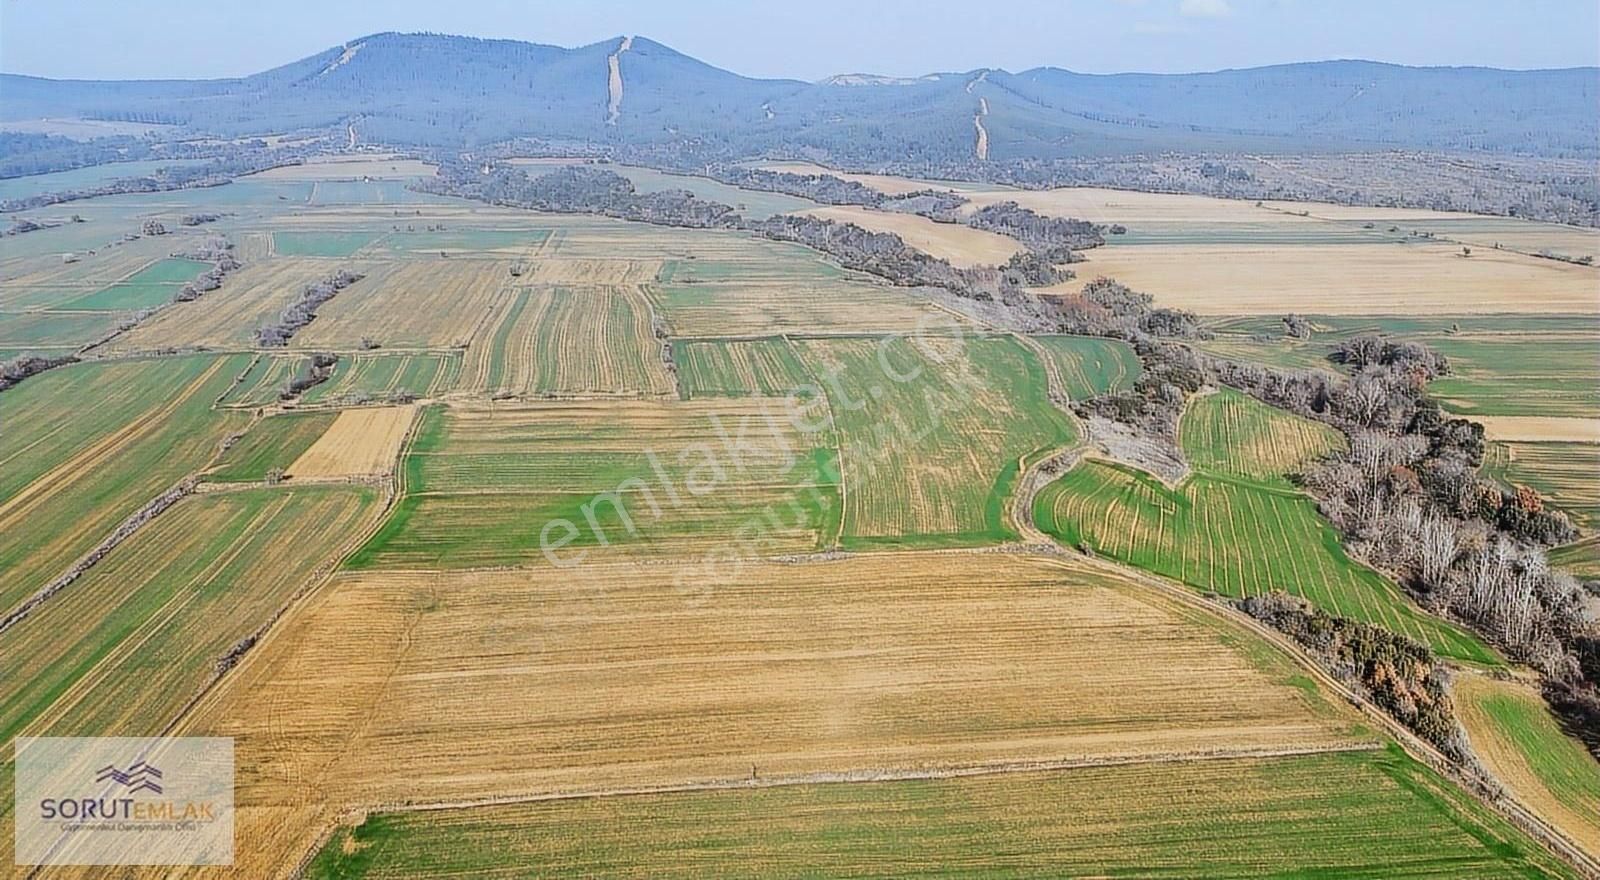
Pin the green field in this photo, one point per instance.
(932, 441)
(1520, 376)
(68, 329)
(147, 288)
(1231, 434)
(1089, 367)
(759, 367)
(124, 648)
(271, 443)
(508, 241)
(1567, 474)
(365, 376)
(1362, 814)
(749, 203)
(321, 244)
(1232, 534)
(145, 626)
(1512, 730)
(265, 382)
(1501, 365)
(369, 192)
(482, 485)
(77, 471)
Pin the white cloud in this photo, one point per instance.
(1204, 8)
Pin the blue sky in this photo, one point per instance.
(809, 39)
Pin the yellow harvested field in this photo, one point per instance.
(419, 687)
(961, 245)
(249, 298)
(360, 442)
(1356, 279)
(585, 271)
(349, 167)
(436, 303)
(1534, 429)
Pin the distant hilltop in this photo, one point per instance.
(450, 91)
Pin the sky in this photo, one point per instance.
(810, 39)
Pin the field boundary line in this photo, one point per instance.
(871, 775)
(124, 530)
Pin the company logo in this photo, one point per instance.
(124, 801)
(141, 776)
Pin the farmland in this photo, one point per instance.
(320, 244)
(409, 304)
(148, 623)
(271, 444)
(1513, 733)
(961, 245)
(69, 480)
(974, 660)
(266, 381)
(359, 377)
(694, 510)
(1361, 814)
(1229, 531)
(1548, 374)
(1371, 279)
(753, 368)
(149, 287)
(1563, 472)
(933, 433)
(1229, 434)
(228, 317)
(359, 442)
(484, 483)
(1087, 367)
(571, 340)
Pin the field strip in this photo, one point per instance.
(1508, 806)
(1540, 429)
(94, 455)
(888, 775)
(95, 674)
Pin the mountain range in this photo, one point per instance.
(460, 92)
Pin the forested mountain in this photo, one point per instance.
(437, 90)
